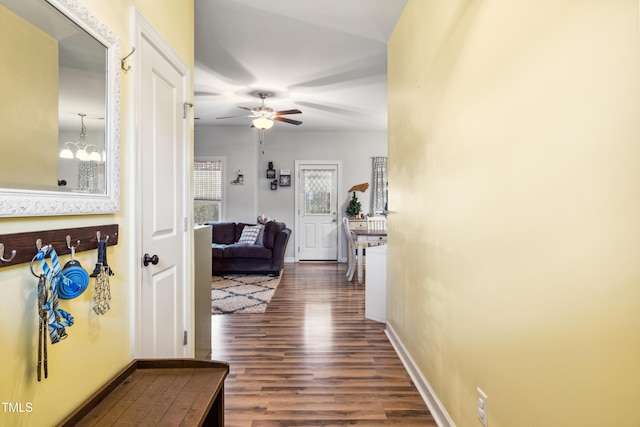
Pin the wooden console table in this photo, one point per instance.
(155, 392)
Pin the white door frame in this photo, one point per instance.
(143, 29)
(297, 234)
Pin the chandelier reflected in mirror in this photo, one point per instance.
(83, 151)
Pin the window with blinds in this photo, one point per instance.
(207, 190)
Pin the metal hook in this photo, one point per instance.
(31, 266)
(13, 254)
(69, 243)
(125, 69)
(98, 236)
(40, 248)
(73, 248)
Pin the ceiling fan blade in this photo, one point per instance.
(284, 112)
(231, 117)
(245, 108)
(284, 119)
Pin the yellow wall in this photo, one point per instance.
(97, 346)
(514, 176)
(29, 111)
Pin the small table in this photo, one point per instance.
(364, 236)
(156, 392)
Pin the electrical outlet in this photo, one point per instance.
(482, 407)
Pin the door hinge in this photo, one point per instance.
(185, 107)
(185, 224)
(184, 341)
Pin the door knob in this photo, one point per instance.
(150, 259)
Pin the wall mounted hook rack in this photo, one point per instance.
(86, 241)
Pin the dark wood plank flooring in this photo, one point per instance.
(312, 359)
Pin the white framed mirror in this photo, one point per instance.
(60, 110)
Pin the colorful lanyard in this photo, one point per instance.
(57, 318)
(42, 324)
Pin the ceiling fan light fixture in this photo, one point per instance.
(263, 123)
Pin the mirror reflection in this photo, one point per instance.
(52, 112)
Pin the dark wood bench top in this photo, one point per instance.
(154, 392)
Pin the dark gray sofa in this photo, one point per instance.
(266, 257)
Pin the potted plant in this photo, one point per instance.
(354, 207)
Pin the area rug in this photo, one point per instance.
(242, 293)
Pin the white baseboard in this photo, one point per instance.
(438, 411)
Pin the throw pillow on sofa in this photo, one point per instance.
(249, 234)
(260, 235)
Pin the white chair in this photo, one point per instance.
(351, 250)
(376, 223)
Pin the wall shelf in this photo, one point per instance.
(25, 243)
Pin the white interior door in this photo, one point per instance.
(162, 308)
(317, 212)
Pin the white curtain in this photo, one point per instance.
(379, 186)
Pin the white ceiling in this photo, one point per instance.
(326, 58)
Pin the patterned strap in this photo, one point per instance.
(57, 318)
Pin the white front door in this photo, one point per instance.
(163, 142)
(317, 212)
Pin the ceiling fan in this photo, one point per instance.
(263, 117)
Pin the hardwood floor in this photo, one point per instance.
(312, 359)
